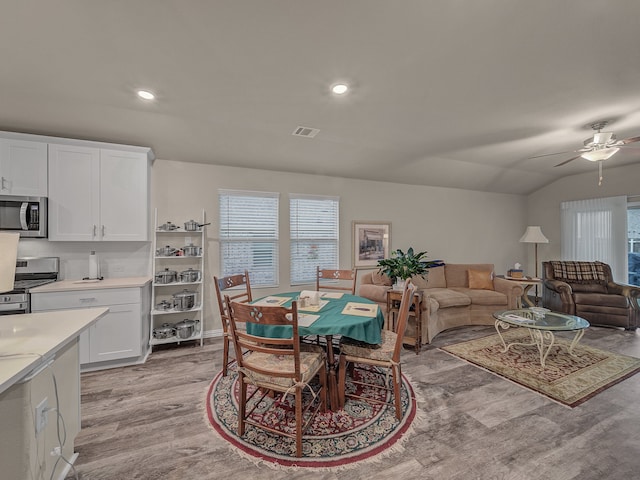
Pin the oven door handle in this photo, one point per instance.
(24, 208)
(13, 307)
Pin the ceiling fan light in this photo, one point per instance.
(601, 138)
(601, 154)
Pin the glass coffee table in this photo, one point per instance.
(541, 324)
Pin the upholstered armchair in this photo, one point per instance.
(587, 289)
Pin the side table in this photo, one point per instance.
(415, 310)
(527, 283)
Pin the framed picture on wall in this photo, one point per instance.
(371, 242)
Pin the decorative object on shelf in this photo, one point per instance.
(534, 235)
(167, 227)
(371, 242)
(401, 266)
(193, 226)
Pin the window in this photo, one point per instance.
(314, 235)
(249, 235)
(596, 229)
(633, 245)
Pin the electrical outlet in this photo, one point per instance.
(41, 415)
(188, 240)
(117, 268)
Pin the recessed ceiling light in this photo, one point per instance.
(340, 89)
(146, 94)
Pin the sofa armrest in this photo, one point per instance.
(377, 293)
(630, 291)
(557, 296)
(512, 290)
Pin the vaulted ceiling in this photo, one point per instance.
(455, 93)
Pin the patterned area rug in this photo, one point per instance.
(565, 379)
(335, 440)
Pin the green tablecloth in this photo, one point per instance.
(331, 322)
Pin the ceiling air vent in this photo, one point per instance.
(305, 132)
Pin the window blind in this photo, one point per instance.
(596, 229)
(314, 231)
(249, 235)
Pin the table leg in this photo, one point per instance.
(525, 295)
(332, 365)
(540, 336)
(575, 341)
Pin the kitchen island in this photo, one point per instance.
(40, 391)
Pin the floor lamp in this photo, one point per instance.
(534, 235)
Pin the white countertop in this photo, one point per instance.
(70, 285)
(38, 336)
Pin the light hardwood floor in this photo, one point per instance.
(148, 422)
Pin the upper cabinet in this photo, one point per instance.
(23, 168)
(98, 194)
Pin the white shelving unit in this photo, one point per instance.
(177, 239)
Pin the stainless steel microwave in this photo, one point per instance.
(26, 215)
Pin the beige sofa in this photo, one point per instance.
(448, 301)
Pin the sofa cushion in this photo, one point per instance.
(448, 298)
(604, 300)
(379, 278)
(456, 273)
(483, 297)
(480, 279)
(435, 278)
(419, 281)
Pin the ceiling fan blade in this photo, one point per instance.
(630, 140)
(549, 154)
(567, 161)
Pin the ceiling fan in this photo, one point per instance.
(599, 147)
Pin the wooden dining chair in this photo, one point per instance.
(238, 288)
(328, 279)
(386, 356)
(276, 365)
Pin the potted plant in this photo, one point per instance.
(401, 266)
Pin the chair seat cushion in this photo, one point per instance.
(383, 352)
(310, 363)
(603, 300)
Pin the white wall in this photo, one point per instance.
(458, 226)
(543, 206)
(451, 224)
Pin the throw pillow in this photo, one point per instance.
(379, 278)
(481, 279)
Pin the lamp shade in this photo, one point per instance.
(534, 235)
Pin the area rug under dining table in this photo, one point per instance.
(569, 380)
(340, 439)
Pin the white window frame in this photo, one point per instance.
(249, 221)
(314, 233)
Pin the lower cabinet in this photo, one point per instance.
(120, 337)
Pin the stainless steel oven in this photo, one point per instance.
(31, 272)
(26, 215)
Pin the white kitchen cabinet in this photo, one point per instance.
(23, 168)
(118, 338)
(98, 194)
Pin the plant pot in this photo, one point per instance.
(399, 285)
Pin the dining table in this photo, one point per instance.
(335, 314)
